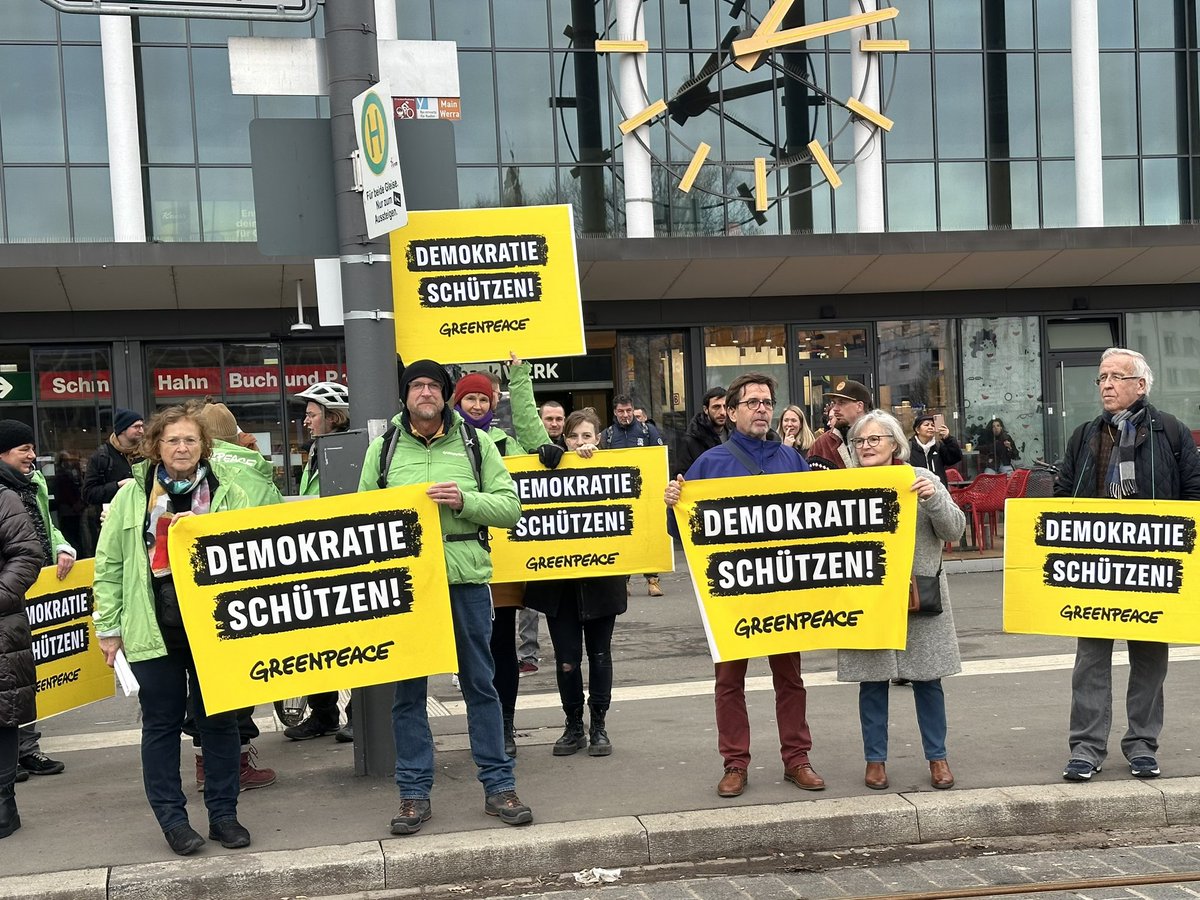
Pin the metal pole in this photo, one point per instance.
(1085, 87)
(121, 119)
(868, 170)
(353, 62)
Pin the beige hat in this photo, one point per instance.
(219, 422)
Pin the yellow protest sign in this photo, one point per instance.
(588, 517)
(302, 598)
(804, 561)
(469, 282)
(1102, 568)
(71, 671)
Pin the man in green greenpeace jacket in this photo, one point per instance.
(431, 444)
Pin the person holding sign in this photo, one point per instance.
(428, 441)
(20, 562)
(931, 652)
(627, 431)
(1131, 451)
(137, 613)
(579, 611)
(749, 402)
(474, 400)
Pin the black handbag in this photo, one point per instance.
(925, 595)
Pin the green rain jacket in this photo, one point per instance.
(58, 543)
(248, 469)
(123, 593)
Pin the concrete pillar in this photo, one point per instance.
(385, 20)
(1085, 86)
(121, 116)
(635, 158)
(868, 144)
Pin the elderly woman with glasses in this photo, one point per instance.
(931, 652)
(137, 612)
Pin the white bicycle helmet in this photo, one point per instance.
(329, 394)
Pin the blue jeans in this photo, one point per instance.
(471, 611)
(1003, 470)
(873, 716)
(165, 685)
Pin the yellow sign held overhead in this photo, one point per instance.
(801, 561)
(71, 671)
(1123, 569)
(588, 517)
(468, 281)
(302, 598)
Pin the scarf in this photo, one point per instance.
(1122, 473)
(23, 485)
(159, 514)
(131, 456)
(483, 423)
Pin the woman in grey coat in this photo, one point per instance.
(932, 648)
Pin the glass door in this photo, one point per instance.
(823, 357)
(1071, 400)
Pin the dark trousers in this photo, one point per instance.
(504, 655)
(8, 758)
(166, 683)
(247, 729)
(569, 635)
(325, 709)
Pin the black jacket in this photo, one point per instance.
(107, 467)
(701, 435)
(1168, 477)
(992, 450)
(20, 562)
(941, 456)
(595, 598)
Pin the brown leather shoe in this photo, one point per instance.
(733, 783)
(804, 777)
(940, 775)
(876, 778)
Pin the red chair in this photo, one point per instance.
(984, 497)
(1017, 482)
(953, 474)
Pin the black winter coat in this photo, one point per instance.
(1164, 479)
(701, 435)
(107, 467)
(941, 456)
(20, 562)
(595, 598)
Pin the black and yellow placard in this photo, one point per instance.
(801, 562)
(1102, 568)
(71, 671)
(468, 281)
(588, 517)
(301, 598)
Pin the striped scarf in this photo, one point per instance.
(1121, 478)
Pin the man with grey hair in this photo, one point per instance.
(1131, 451)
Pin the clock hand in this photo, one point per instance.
(757, 43)
(769, 24)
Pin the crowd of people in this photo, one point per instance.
(192, 460)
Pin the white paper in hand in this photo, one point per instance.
(129, 682)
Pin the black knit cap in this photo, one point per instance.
(14, 434)
(425, 368)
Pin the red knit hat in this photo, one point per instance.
(475, 383)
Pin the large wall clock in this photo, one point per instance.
(760, 54)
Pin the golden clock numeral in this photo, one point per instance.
(769, 24)
(867, 45)
(760, 184)
(871, 115)
(693, 169)
(622, 46)
(755, 43)
(818, 155)
(657, 108)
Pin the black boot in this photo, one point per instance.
(510, 736)
(573, 737)
(600, 744)
(10, 821)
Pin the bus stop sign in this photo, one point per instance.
(274, 10)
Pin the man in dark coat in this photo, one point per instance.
(112, 465)
(706, 430)
(625, 432)
(1132, 451)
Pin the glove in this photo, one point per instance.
(550, 455)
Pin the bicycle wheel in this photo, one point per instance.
(291, 710)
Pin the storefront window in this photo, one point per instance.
(918, 372)
(650, 369)
(1002, 378)
(733, 350)
(1170, 341)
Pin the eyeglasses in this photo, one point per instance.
(871, 440)
(754, 404)
(1110, 376)
(425, 387)
(189, 442)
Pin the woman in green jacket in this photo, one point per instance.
(137, 611)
